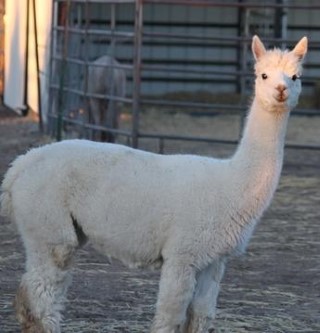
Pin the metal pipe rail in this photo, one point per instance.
(185, 106)
(225, 40)
(210, 3)
(92, 126)
(87, 94)
(214, 140)
(115, 2)
(84, 62)
(229, 108)
(105, 33)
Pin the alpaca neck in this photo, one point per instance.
(258, 160)
(264, 133)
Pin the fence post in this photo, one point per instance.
(61, 98)
(138, 26)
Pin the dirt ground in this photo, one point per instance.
(274, 287)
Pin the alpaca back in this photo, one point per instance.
(102, 77)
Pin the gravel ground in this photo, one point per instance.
(273, 288)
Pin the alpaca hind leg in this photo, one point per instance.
(93, 117)
(42, 291)
(202, 310)
(175, 294)
(109, 121)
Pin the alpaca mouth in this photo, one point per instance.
(281, 98)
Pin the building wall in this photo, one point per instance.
(15, 53)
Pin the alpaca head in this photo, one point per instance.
(277, 84)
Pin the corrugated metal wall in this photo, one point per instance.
(207, 56)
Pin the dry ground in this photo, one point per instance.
(274, 287)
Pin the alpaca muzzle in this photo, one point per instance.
(282, 95)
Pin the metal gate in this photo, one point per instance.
(169, 50)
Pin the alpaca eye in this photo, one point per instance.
(294, 77)
(264, 76)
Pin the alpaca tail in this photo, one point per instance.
(19, 165)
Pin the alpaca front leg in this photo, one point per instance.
(176, 289)
(202, 310)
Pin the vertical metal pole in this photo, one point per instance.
(244, 66)
(137, 71)
(244, 56)
(53, 38)
(110, 119)
(239, 84)
(63, 74)
(26, 72)
(113, 27)
(284, 33)
(2, 53)
(278, 20)
(281, 21)
(35, 29)
(86, 59)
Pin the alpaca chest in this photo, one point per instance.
(243, 217)
(237, 230)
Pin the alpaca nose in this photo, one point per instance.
(281, 88)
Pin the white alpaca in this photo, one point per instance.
(186, 213)
(105, 78)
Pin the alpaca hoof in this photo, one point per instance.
(32, 329)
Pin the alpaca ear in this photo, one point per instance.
(258, 48)
(301, 48)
